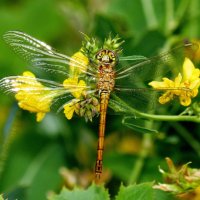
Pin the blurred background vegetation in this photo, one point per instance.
(34, 157)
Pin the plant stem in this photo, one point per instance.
(120, 106)
(170, 117)
(145, 149)
(147, 144)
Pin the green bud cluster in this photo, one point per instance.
(196, 108)
(88, 107)
(193, 110)
(113, 43)
(89, 47)
(179, 180)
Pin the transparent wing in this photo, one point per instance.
(41, 55)
(157, 66)
(30, 87)
(133, 58)
(144, 99)
(132, 82)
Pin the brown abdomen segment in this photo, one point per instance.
(104, 98)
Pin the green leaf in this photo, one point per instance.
(142, 191)
(94, 192)
(133, 125)
(1, 198)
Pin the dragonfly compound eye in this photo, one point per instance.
(112, 56)
(100, 55)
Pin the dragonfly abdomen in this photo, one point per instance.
(104, 98)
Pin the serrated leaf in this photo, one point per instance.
(142, 191)
(94, 192)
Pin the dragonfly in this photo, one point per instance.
(91, 75)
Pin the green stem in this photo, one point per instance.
(35, 166)
(169, 17)
(8, 135)
(149, 13)
(193, 17)
(120, 106)
(173, 15)
(147, 144)
(145, 149)
(170, 117)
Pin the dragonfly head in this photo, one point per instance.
(106, 56)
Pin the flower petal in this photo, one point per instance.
(75, 68)
(29, 74)
(81, 86)
(185, 100)
(40, 116)
(70, 82)
(178, 80)
(188, 68)
(69, 109)
(166, 97)
(157, 84)
(76, 88)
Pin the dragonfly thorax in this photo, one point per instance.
(106, 72)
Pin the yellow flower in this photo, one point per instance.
(78, 64)
(70, 108)
(29, 96)
(185, 85)
(75, 87)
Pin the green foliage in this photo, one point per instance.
(181, 180)
(131, 123)
(142, 191)
(94, 192)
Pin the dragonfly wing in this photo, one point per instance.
(132, 58)
(146, 99)
(41, 55)
(155, 67)
(40, 90)
(142, 99)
